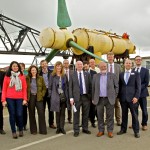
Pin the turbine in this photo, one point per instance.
(80, 39)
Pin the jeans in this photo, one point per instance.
(15, 109)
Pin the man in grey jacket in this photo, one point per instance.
(116, 69)
(80, 95)
(104, 93)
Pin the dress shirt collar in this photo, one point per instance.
(45, 70)
(80, 71)
(103, 74)
(111, 64)
(137, 68)
(66, 70)
(128, 70)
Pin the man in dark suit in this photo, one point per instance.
(68, 73)
(116, 69)
(45, 73)
(2, 74)
(129, 93)
(80, 95)
(144, 75)
(92, 113)
(104, 92)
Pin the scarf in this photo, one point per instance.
(15, 80)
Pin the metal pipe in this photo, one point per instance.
(73, 44)
(51, 55)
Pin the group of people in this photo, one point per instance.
(101, 92)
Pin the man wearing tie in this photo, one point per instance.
(129, 93)
(104, 92)
(144, 75)
(116, 69)
(68, 73)
(80, 95)
(92, 112)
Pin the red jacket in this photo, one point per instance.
(10, 92)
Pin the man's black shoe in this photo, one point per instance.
(24, 128)
(62, 131)
(58, 131)
(76, 134)
(137, 135)
(69, 121)
(93, 125)
(2, 131)
(86, 131)
(121, 132)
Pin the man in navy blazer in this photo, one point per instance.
(129, 93)
(144, 75)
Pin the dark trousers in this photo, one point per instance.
(85, 103)
(92, 113)
(143, 104)
(70, 114)
(133, 109)
(1, 115)
(33, 103)
(104, 103)
(50, 113)
(60, 116)
(25, 115)
(15, 109)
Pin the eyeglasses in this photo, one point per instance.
(138, 59)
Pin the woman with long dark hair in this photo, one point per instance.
(14, 95)
(58, 91)
(36, 90)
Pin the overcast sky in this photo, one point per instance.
(118, 16)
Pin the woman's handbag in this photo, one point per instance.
(62, 98)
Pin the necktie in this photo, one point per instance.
(67, 75)
(81, 85)
(127, 77)
(110, 68)
(137, 70)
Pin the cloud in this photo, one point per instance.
(120, 16)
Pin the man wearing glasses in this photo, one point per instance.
(144, 74)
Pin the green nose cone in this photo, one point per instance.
(63, 19)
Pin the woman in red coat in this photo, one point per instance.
(14, 95)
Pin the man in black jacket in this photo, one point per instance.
(68, 73)
(45, 73)
(92, 112)
(144, 75)
(2, 74)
